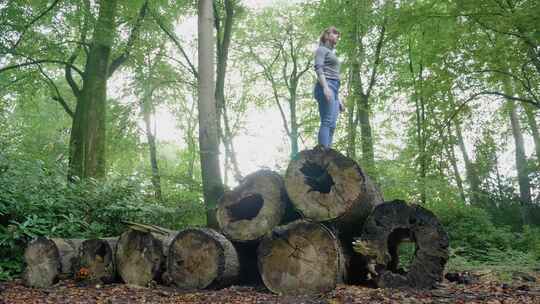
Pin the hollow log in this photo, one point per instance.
(140, 256)
(301, 258)
(48, 260)
(96, 261)
(201, 258)
(386, 228)
(254, 207)
(325, 185)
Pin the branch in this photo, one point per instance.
(34, 62)
(377, 60)
(58, 96)
(26, 27)
(176, 41)
(118, 61)
(69, 77)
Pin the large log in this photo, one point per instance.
(386, 228)
(325, 185)
(96, 260)
(301, 258)
(48, 260)
(201, 258)
(254, 207)
(139, 255)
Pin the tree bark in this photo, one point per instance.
(87, 141)
(208, 128)
(201, 258)
(254, 207)
(325, 185)
(140, 255)
(47, 260)
(386, 228)
(301, 258)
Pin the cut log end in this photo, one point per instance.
(253, 208)
(391, 224)
(139, 257)
(96, 260)
(325, 185)
(200, 258)
(42, 263)
(300, 258)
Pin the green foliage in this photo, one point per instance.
(36, 200)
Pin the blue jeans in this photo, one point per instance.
(328, 111)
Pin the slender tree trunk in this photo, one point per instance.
(352, 119)
(87, 142)
(208, 129)
(472, 177)
(521, 165)
(448, 143)
(146, 108)
(533, 125)
(294, 120)
(368, 156)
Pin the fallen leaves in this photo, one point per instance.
(69, 291)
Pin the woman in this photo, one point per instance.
(327, 86)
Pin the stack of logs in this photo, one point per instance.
(324, 223)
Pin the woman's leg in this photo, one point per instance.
(334, 111)
(325, 113)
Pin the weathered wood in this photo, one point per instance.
(140, 256)
(301, 258)
(390, 224)
(201, 258)
(96, 258)
(254, 207)
(325, 185)
(47, 260)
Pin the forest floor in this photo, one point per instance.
(522, 288)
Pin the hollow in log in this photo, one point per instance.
(325, 185)
(254, 207)
(139, 257)
(301, 258)
(201, 258)
(386, 228)
(96, 261)
(48, 260)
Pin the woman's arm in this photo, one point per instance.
(320, 54)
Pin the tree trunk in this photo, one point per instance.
(301, 258)
(533, 125)
(472, 177)
(96, 256)
(254, 207)
(140, 255)
(146, 108)
(521, 166)
(325, 185)
(352, 122)
(386, 228)
(47, 260)
(87, 142)
(202, 258)
(294, 120)
(368, 156)
(208, 128)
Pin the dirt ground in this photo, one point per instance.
(67, 291)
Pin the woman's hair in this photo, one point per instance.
(326, 32)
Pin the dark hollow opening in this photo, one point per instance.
(402, 249)
(101, 250)
(317, 177)
(246, 209)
